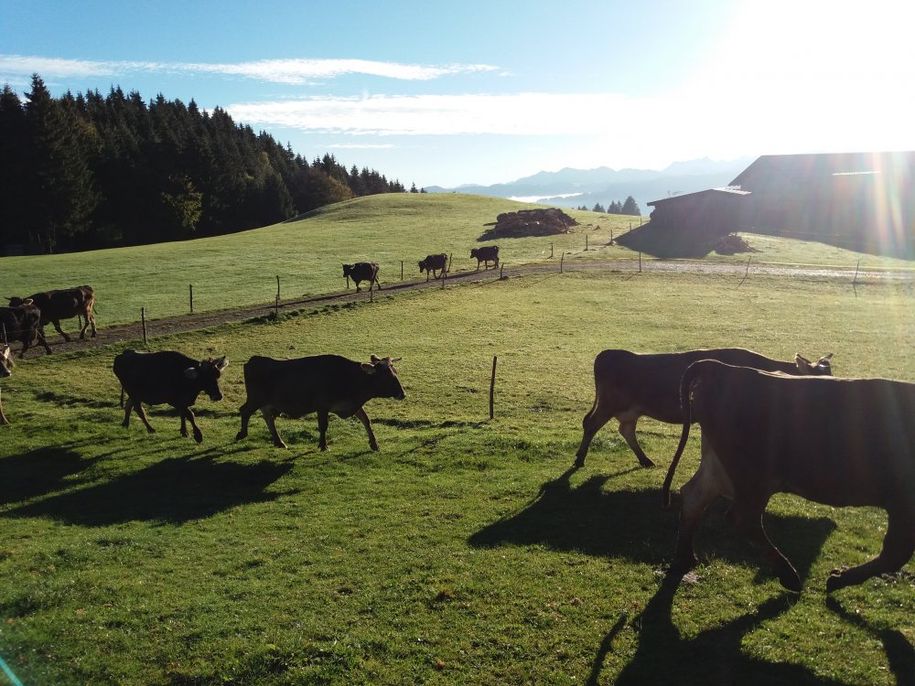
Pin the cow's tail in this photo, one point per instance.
(122, 396)
(686, 408)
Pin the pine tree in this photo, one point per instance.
(630, 207)
(13, 161)
(597, 208)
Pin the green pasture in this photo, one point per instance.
(307, 254)
(465, 551)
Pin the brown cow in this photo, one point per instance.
(322, 384)
(486, 254)
(6, 369)
(22, 323)
(629, 385)
(167, 377)
(432, 264)
(64, 304)
(841, 442)
(362, 271)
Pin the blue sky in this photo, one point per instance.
(484, 92)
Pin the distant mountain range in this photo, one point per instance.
(575, 187)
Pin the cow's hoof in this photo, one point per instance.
(579, 462)
(240, 435)
(150, 430)
(198, 437)
(281, 445)
(835, 581)
(374, 446)
(322, 448)
(646, 463)
(184, 433)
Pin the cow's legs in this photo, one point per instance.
(747, 514)
(246, 411)
(270, 421)
(141, 413)
(898, 546)
(186, 413)
(128, 408)
(627, 431)
(367, 423)
(322, 429)
(593, 421)
(697, 494)
(56, 323)
(85, 325)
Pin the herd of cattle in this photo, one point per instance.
(368, 271)
(768, 426)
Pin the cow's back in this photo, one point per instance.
(300, 386)
(835, 441)
(153, 378)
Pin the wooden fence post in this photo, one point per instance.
(586, 243)
(449, 261)
(551, 250)
(640, 261)
(501, 270)
(5, 339)
(143, 323)
(746, 273)
(401, 270)
(190, 292)
(277, 287)
(492, 388)
(561, 260)
(611, 236)
(855, 282)
(443, 276)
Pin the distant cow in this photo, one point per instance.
(6, 369)
(362, 271)
(64, 304)
(433, 263)
(486, 254)
(22, 323)
(322, 384)
(841, 442)
(167, 377)
(629, 385)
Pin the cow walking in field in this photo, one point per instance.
(6, 369)
(64, 304)
(486, 254)
(167, 377)
(22, 323)
(631, 385)
(432, 264)
(322, 384)
(362, 271)
(841, 442)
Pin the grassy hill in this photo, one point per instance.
(241, 269)
(462, 552)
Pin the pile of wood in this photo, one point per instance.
(526, 223)
(732, 244)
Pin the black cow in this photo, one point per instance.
(433, 263)
(629, 385)
(22, 323)
(6, 369)
(362, 271)
(841, 442)
(322, 384)
(64, 304)
(486, 254)
(167, 377)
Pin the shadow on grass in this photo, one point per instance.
(173, 491)
(712, 657)
(632, 525)
(899, 652)
(39, 472)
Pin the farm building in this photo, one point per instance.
(862, 201)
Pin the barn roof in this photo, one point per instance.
(722, 191)
(810, 167)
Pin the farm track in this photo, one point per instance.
(203, 320)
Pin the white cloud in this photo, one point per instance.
(361, 146)
(289, 71)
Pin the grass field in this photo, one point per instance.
(241, 269)
(465, 551)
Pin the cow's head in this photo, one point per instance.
(474, 252)
(819, 368)
(386, 383)
(348, 269)
(206, 375)
(20, 302)
(6, 361)
(422, 266)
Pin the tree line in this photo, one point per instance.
(628, 206)
(91, 171)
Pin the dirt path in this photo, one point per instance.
(203, 320)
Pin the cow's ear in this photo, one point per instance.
(803, 364)
(826, 357)
(221, 363)
(374, 358)
(190, 373)
(368, 368)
